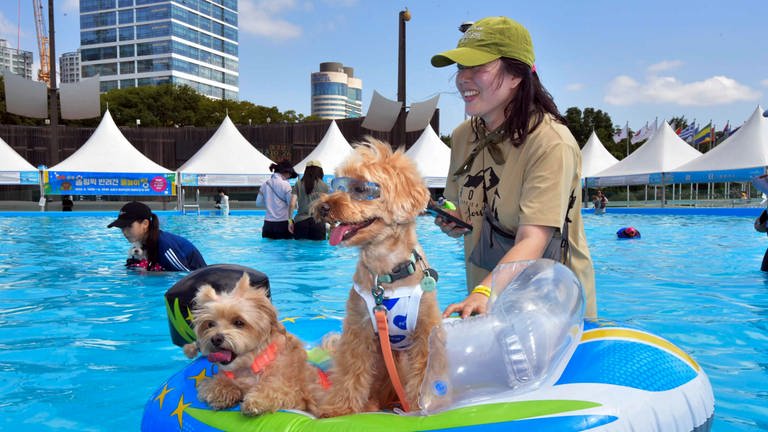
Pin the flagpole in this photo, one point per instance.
(626, 128)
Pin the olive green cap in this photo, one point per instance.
(487, 40)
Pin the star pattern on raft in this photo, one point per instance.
(163, 393)
(290, 319)
(179, 411)
(199, 377)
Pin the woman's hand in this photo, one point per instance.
(474, 303)
(450, 228)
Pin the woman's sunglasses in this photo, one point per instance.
(359, 190)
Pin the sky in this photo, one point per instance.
(637, 61)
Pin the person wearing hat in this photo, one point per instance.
(165, 251)
(307, 190)
(515, 166)
(275, 193)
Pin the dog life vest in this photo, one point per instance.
(402, 312)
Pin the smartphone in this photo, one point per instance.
(436, 211)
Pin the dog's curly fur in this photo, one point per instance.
(233, 328)
(385, 231)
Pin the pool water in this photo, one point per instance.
(83, 341)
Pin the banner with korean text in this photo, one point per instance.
(98, 183)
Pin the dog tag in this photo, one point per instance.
(429, 281)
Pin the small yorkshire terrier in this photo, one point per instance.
(260, 364)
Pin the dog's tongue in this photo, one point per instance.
(220, 356)
(337, 233)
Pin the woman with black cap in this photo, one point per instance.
(165, 251)
(276, 195)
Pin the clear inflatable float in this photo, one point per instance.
(531, 363)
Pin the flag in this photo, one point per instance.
(679, 130)
(727, 130)
(688, 132)
(704, 135)
(644, 133)
(621, 134)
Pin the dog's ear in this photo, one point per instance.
(243, 286)
(408, 187)
(205, 294)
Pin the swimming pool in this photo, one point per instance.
(83, 342)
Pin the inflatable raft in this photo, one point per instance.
(532, 363)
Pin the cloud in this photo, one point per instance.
(663, 66)
(71, 6)
(260, 18)
(341, 3)
(7, 29)
(574, 87)
(764, 82)
(717, 90)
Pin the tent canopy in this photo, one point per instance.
(595, 157)
(663, 152)
(739, 158)
(107, 150)
(14, 169)
(432, 157)
(330, 151)
(227, 159)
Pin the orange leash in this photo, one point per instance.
(389, 360)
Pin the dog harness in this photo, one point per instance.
(260, 362)
(268, 356)
(402, 306)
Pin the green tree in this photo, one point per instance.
(583, 123)
(678, 123)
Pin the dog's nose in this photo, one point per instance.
(217, 340)
(324, 209)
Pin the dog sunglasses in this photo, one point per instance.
(359, 190)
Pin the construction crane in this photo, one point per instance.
(44, 74)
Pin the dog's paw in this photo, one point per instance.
(219, 393)
(254, 405)
(190, 350)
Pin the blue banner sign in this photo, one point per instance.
(95, 183)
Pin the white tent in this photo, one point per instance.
(740, 157)
(330, 151)
(226, 159)
(14, 169)
(432, 158)
(594, 157)
(107, 150)
(663, 152)
(107, 164)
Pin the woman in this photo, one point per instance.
(165, 251)
(304, 193)
(276, 196)
(514, 163)
(222, 203)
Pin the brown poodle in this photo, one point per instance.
(260, 364)
(377, 195)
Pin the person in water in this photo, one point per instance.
(165, 251)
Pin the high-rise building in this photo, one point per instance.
(69, 67)
(131, 43)
(336, 93)
(15, 60)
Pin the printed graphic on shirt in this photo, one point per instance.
(471, 192)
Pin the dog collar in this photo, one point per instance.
(402, 270)
(407, 268)
(267, 356)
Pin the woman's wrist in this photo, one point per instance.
(482, 289)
